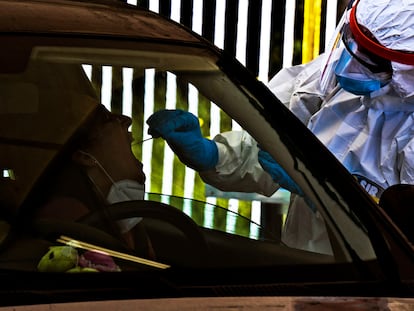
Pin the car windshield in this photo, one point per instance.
(140, 163)
(66, 98)
(82, 174)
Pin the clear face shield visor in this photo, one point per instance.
(350, 64)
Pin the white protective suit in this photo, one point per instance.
(373, 136)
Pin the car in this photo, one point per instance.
(64, 64)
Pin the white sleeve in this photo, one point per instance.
(298, 88)
(238, 168)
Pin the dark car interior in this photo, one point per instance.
(166, 234)
(397, 201)
(192, 239)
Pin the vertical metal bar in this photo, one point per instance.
(186, 14)
(231, 26)
(253, 36)
(209, 19)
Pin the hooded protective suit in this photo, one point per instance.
(371, 134)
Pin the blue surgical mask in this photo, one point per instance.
(358, 84)
(353, 77)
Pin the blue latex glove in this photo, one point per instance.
(182, 132)
(277, 172)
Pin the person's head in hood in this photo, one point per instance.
(377, 48)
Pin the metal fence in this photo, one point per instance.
(264, 35)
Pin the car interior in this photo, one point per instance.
(57, 100)
(190, 238)
(50, 118)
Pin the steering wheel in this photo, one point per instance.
(86, 229)
(52, 229)
(155, 210)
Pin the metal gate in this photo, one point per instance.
(264, 35)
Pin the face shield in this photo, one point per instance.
(348, 62)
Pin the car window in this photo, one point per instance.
(52, 110)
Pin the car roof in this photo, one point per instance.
(108, 18)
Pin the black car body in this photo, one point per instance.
(46, 97)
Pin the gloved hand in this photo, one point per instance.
(277, 172)
(182, 132)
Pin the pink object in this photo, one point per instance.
(98, 261)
